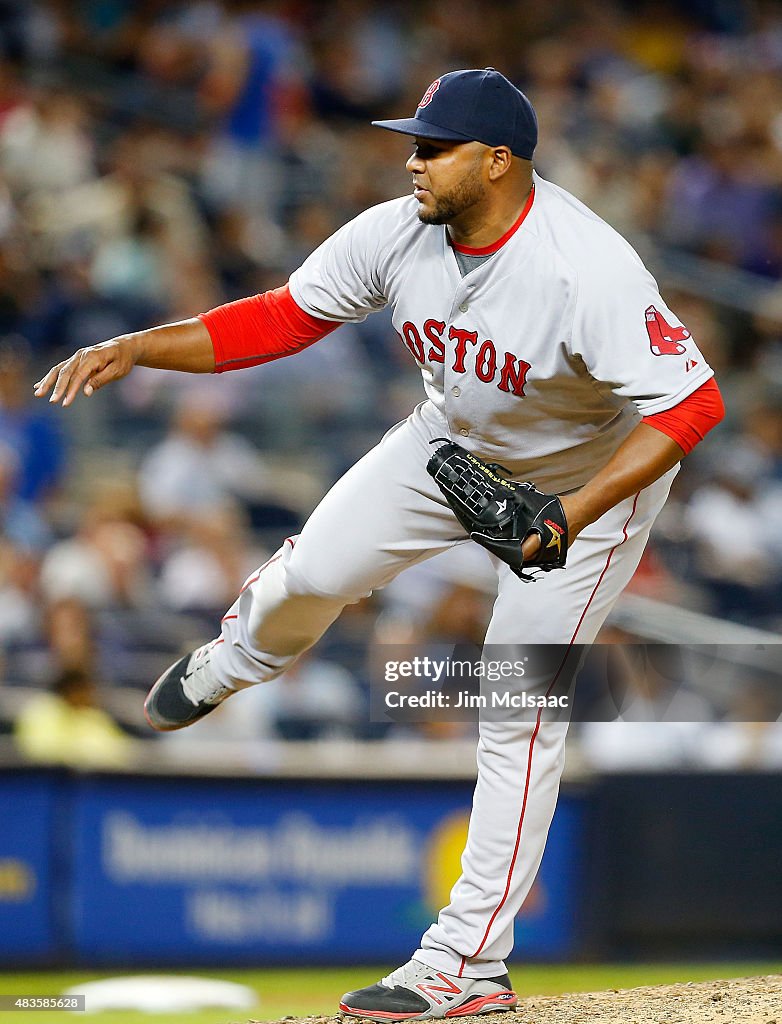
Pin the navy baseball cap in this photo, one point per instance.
(473, 106)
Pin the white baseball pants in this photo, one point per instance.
(385, 514)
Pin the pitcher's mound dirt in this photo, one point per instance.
(739, 1001)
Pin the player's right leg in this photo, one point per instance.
(385, 514)
(521, 756)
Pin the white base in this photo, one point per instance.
(163, 994)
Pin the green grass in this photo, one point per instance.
(311, 991)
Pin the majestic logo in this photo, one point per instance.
(426, 99)
(690, 364)
(664, 339)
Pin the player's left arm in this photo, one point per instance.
(647, 453)
(626, 336)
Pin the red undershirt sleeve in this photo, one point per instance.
(261, 328)
(688, 422)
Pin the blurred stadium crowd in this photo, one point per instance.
(158, 158)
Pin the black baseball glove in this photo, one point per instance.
(500, 514)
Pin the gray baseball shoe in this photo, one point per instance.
(416, 992)
(185, 692)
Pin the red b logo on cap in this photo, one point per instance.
(426, 99)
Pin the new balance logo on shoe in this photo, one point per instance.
(432, 990)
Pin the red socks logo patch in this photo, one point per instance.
(664, 339)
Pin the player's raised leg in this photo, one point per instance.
(386, 513)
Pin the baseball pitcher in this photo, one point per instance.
(561, 393)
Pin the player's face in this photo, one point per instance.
(447, 178)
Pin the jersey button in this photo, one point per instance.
(464, 432)
(463, 307)
(456, 392)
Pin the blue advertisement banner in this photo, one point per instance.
(29, 805)
(200, 870)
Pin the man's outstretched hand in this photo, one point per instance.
(185, 345)
(88, 369)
